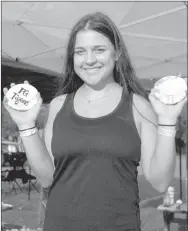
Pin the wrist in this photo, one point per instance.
(26, 126)
(168, 132)
(170, 121)
(28, 132)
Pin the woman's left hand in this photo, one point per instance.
(166, 113)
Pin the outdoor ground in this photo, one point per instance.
(26, 212)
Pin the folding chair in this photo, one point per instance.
(8, 176)
(32, 181)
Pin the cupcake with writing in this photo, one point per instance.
(170, 89)
(22, 97)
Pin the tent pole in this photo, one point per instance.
(180, 166)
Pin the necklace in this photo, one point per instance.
(92, 100)
(101, 97)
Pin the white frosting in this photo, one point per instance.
(22, 97)
(170, 89)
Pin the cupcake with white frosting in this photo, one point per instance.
(170, 89)
(22, 97)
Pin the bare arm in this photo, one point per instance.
(39, 152)
(39, 159)
(157, 151)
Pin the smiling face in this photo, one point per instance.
(94, 58)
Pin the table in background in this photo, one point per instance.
(169, 212)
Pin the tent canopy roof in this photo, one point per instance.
(155, 33)
(42, 79)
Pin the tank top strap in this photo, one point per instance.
(67, 106)
(125, 104)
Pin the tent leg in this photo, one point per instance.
(180, 172)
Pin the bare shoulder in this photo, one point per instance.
(58, 100)
(144, 109)
(57, 103)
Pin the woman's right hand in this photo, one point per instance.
(23, 119)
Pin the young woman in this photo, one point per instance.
(100, 126)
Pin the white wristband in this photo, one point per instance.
(29, 132)
(166, 132)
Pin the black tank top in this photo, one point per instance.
(95, 184)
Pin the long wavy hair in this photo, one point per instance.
(124, 73)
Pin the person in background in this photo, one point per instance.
(101, 125)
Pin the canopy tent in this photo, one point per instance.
(42, 79)
(155, 33)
